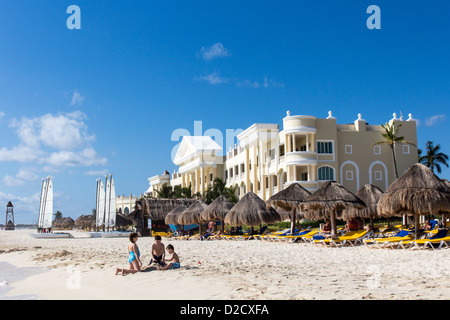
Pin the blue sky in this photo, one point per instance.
(106, 98)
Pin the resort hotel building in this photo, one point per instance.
(307, 150)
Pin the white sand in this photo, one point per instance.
(83, 268)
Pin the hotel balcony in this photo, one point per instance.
(299, 158)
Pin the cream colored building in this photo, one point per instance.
(126, 204)
(307, 150)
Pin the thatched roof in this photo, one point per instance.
(290, 197)
(157, 208)
(330, 197)
(217, 210)
(251, 210)
(418, 191)
(370, 194)
(172, 216)
(191, 215)
(85, 221)
(122, 221)
(65, 223)
(447, 183)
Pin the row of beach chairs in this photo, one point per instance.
(392, 238)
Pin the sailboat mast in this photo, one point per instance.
(40, 205)
(104, 209)
(45, 201)
(97, 203)
(109, 202)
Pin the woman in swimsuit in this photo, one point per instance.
(133, 258)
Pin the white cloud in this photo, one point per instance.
(22, 177)
(77, 99)
(435, 120)
(53, 140)
(212, 78)
(217, 50)
(85, 158)
(2, 114)
(22, 204)
(97, 172)
(255, 84)
(11, 181)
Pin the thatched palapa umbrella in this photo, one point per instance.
(85, 221)
(370, 194)
(328, 203)
(217, 210)
(191, 215)
(417, 192)
(172, 216)
(289, 199)
(251, 210)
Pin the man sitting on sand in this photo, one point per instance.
(158, 252)
(174, 259)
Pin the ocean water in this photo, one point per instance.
(10, 274)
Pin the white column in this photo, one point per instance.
(294, 144)
(307, 143)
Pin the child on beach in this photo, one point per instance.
(174, 259)
(158, 252)
(133, 257)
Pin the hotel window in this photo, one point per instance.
(349, 175)
(406, 149)
(376, 149)
(325, 147)
(326, 173)
(378, 175)
(304, 176)
(210, 177)
(348, 149)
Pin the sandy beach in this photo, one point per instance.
(83, 268)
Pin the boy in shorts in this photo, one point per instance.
(174, 260)
(158, 252)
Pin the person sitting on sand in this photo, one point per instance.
(174, 259)
(133, 257)
(158, 252)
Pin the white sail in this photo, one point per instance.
(46, 205)
(100, 203)
(48, 211)
(41, 204)
(107, 202)
(112, 205)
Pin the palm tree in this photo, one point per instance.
(165, 192)
(58, 215)
(391, 138)
(434, 158)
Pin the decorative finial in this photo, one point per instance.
(288, 113)
(330, 115)
(410, 118)
(359, 116)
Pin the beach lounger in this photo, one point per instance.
(351, 237)
(308, 238)
(403, 235)
(441, 238)
(293, 237)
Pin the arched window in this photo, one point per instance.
(126, 210)
(326, 173)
